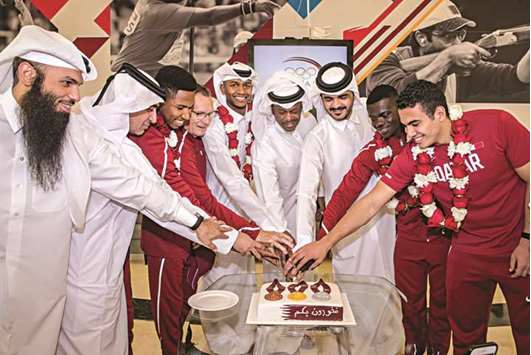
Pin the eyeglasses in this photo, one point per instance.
(451, 36)
(203, 114)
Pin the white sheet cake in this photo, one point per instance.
(311, 308)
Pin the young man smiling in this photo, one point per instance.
(419, 252)
(476, 167)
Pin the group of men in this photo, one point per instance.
(219, 183)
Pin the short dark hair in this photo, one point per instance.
(381, 92)
(172, 78)
(425, 93)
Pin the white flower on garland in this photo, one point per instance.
(177, 163)
(248, 160)
(455, 112)
(233, 152)
(248, 138)
(172, 139)
(429, 209)
(459, 214)
(458, 183)
(461, 148)
(382, 153)
(230, 127)
(413, 191)
(392, 203)
(416, 150)
(425, 180)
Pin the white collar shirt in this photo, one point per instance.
(327, 155)
(276, 163)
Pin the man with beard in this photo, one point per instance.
(228, 143)
(50, 164)
(153, 33)
(472, 173)
(419, 252)
(283, 107)
(327, 154)
(174, 264)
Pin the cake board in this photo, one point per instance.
(348, 316)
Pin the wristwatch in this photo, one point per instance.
(197, 223)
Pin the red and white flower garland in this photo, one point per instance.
(383, 155)
(231, 129)
(172, 141)
(458, 150)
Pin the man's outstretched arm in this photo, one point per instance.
(219, 14)
(358, 215)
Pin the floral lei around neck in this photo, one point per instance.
(383, 155)
(231, 129)
(172, 140)
(458, 150)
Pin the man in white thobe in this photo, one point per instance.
(282, 106)
(228, 166)
(50, 164)
(327, 155)
(95, 319)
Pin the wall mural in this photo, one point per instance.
(386, 48)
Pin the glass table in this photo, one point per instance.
(375, 303)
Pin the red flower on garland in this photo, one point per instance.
(458, 149)
(231, 130)
(383, 155)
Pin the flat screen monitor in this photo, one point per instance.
(303, 57)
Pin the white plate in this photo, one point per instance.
(215, 300)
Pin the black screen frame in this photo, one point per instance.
(349, 44)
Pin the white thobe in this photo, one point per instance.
(231, 188)
(36, 226)
(95, 318)
(327, 156)
(225, 178)
(276, 164)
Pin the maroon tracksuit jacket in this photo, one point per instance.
(174, 265)
(419, 251)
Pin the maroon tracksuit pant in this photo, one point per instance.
(471, 281)
(172, 280)
(415, 262)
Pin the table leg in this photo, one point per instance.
(262, 332)
(342, 339)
